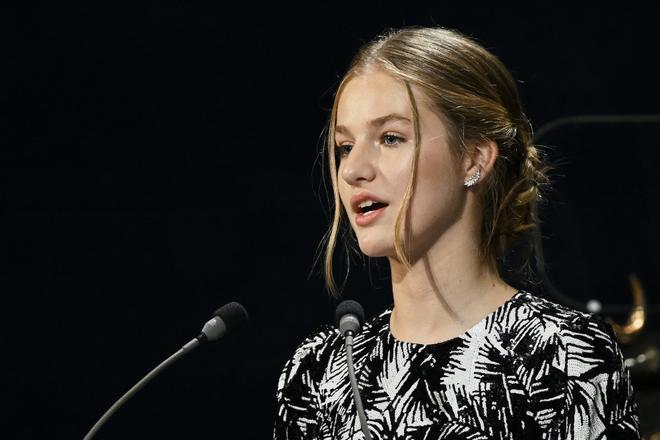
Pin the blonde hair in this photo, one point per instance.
(476, 95)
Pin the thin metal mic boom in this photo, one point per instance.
(349, 317)
(227, 318)
(354, 386)
(190, 346)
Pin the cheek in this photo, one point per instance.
(437, 181)
(396, 174)
(439, 163)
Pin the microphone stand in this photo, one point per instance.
(145, 380)
(354, 385)
(227, 318)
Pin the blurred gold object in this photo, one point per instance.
(637, 318)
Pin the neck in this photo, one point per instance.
(446, 292)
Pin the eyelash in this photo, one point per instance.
(340, 149)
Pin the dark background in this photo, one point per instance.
(159, 159)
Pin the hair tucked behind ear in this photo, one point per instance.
(475, 94)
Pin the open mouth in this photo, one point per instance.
(370, 206)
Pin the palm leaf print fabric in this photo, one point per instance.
(529, 370)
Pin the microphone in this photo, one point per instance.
(349, 317)
(226, 319)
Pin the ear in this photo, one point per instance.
(481, 157)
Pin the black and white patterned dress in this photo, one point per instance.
(529, 370)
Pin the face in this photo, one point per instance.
(375, 147)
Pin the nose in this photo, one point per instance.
(359, 164)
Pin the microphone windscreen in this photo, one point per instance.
(233, 315)
(349, 307)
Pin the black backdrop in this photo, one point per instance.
(158, 160)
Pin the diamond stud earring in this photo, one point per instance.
(472, 179)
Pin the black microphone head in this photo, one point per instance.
(349, 315)
(233, 315)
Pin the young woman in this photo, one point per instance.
(433, 166)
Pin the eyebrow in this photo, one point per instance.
(377, 122)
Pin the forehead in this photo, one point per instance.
(371, 95)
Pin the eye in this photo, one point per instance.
(343, 150)
(392, 139)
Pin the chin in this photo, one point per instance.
(375, 248)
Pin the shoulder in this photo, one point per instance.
(581, 343)
(571, 364)
(535, 306)
(298, 410)
(308, 359)
(313, 355)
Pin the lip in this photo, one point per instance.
(364, 219)
(361, 197)
(369, 217)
